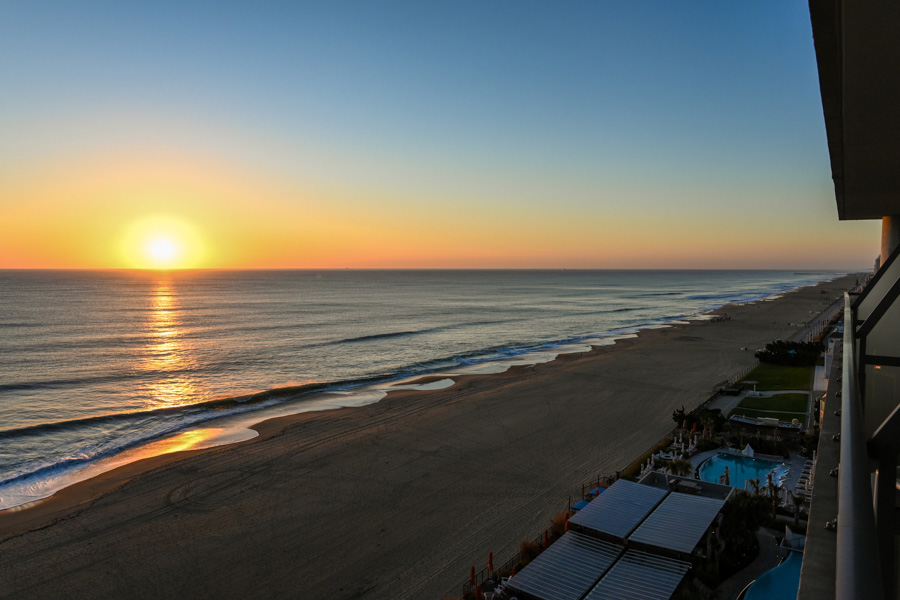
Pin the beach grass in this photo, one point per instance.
(778, 402)
(770, 377)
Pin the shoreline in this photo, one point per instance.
(399, 417)
(319, 396)
(263, 425)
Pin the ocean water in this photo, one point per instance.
(93, 363)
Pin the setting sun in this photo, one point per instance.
(163, 251)
(162, 242)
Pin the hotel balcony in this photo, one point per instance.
(856, 556)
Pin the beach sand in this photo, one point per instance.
(393, 500)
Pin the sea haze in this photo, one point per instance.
(92, 363)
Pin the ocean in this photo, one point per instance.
(94, 364)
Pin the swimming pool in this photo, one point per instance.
(780, 583)
(740, 469)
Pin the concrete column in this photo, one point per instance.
(890, 236)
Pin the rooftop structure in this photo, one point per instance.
(640, 576)
(635, 540)
(579, 566)
(679, 523)
(619, 510)
(677, 483)
(567, 569)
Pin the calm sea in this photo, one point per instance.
(92, 363)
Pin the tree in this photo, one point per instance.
(791, 353)
(773, 492)
(798, 502)
(680, 467)
(742, 516)
(754, 485)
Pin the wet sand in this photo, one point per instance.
(393, 500)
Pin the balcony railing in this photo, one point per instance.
(858, 569)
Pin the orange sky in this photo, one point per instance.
(589, 136)
(106, 212)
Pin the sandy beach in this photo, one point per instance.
(393, 500)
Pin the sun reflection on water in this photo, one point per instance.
(166, 356)
(187, 440)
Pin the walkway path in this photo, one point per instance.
(816, 326)
(767, 559)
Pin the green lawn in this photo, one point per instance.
(777, 377)
(781, 416)
(783, 402)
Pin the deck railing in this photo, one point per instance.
(858, 571)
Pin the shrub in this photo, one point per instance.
(558, 525)
(528, 551)
(742, 515)
(707, 417)
(708, 444)
(681, 467)
(792, 354)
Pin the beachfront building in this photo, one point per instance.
(634, 541)
(856, 556)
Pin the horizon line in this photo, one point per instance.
(211, 269)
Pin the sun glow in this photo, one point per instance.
(162, 243)
(163, 251)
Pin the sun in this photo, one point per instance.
(162, 251)
(162, 242)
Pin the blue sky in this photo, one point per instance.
(630, 113)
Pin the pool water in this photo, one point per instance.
(740, 469)
(780, 583)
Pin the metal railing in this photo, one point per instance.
(479, 579)
(858, 569)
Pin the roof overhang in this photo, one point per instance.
(858, 57)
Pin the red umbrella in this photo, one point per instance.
(491, 562)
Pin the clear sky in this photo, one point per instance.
(416, 134)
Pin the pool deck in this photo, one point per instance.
(697, 459)
(796, 462)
